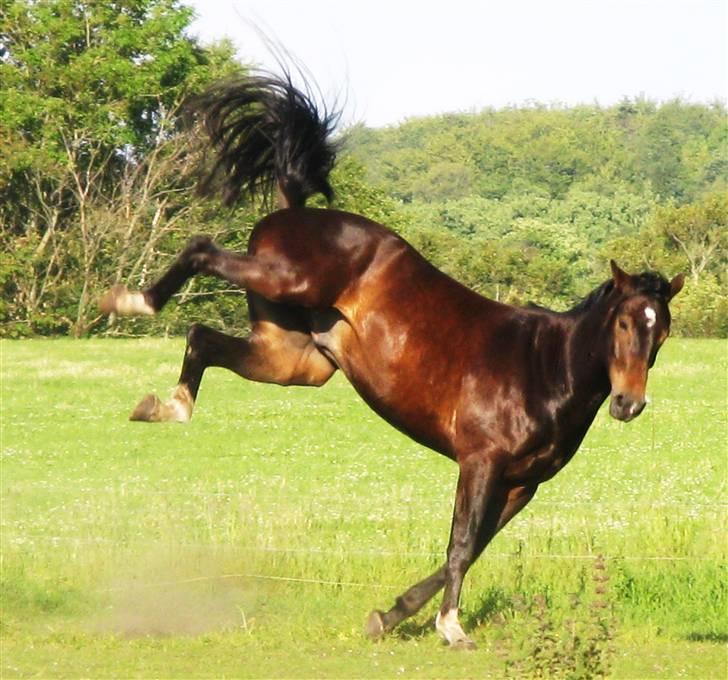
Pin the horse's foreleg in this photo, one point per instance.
(410, 602)
(269, 354)
(479, 503)
(483, 506)
(406, 605)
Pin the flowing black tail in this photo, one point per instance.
(268, 135)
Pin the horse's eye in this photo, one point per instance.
(623, 324)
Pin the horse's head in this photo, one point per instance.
(639, 326)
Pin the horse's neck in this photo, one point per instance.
(589, 347)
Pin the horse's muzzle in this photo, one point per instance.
(625, 407)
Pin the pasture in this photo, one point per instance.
(253, 541)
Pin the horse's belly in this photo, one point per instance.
(382, 378)
(328, 330)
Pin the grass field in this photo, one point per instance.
(253, 541)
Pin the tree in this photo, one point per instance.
(89, 96)
(694, 236)
(693, 239)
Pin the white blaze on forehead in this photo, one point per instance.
(651, 316)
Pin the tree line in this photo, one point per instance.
(97, 175)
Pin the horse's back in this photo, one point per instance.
(328, 251)
(402, 331)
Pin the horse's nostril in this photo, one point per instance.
(619, 399)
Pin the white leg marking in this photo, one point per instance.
(449, 628)
(181, 404)
(132, 304)
(120, 300)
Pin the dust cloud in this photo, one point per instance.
(165, 595)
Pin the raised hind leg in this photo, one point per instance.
(272, 275)
(120, 300)
(279, 350)
(410, 602)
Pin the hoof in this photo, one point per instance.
(449, 629)
(147, 410)
(178, 409)
(120, 300)
(107, 304)
(374, 628)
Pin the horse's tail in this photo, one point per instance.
(268, 135)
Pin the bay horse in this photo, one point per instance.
(507, 393)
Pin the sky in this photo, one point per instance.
(385, 61)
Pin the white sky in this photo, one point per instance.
(399, 58)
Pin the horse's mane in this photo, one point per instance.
(594, 298)
(647, 283)
(653, 284)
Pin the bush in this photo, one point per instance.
(701, 308)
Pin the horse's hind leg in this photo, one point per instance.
(279, 350)
(119, 300)
(273, 276)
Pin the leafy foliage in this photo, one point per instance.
(531, 203)
(522, 204)
(90, 178)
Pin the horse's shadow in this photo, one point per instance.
(493, 602)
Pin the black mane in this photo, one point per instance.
(653, 284)
(647, 283)
(594, 298)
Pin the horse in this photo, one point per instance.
(507, 393)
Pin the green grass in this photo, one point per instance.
(134, 550)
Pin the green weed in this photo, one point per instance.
(254, 540)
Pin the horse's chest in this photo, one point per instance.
(538, 464)
(540, 458)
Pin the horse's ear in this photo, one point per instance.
(622, 280)
(676, 285)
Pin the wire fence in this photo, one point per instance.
(330, 553)
(248, 575)
(75, 541)
(327, 552)
(130, 489)
(370, 585)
